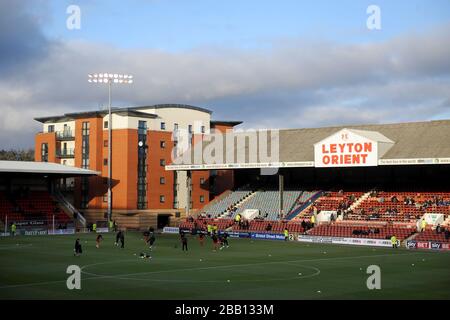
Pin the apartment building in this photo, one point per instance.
(143, 139)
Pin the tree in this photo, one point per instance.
(17, 155)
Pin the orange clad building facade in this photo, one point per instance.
(143, 140)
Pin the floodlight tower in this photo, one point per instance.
(109, 79)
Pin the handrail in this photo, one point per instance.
(303, 206)
(70, 207)
(65, 152)
(65, 134)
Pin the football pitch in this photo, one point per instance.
(35, 268)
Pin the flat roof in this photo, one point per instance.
(174, 105)
(31, 167)
(225, 122)
(130, 111)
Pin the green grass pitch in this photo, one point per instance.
(35, 268)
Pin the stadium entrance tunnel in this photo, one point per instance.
(163, 220)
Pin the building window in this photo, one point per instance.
(175, 127)
(202, 199)
(162, 162)
(162, 199)
(85, 128)
(190, 128)
(85, 146)
(105, 143)
(51, 128)
(44, 152)
(142, 127)
(203, 129)
(142, 202)
(142, 124)
(163, 126)
(85, 163)
(105, 197)
(162, 180)
(105, 125)
(202, 181)
(142, 166)
(105, 162)
(162, 144)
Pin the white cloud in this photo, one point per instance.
(296, 84)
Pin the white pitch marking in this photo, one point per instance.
(192, 269)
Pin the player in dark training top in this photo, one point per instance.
(184, 242)
(98, 240)
(77, 251)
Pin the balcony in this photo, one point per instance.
(65, 153)
(65, 135)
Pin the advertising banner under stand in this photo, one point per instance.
(349, 241)
(430, 245)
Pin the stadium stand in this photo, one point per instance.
(231, 200)
(268, 203)
(333, 201)
(271, 226)
(362, 231)
(8, 209)
(202, 223)
(326, 201)
(31, 205)
(401, 206)
(361, 213)
(433, 235)
(257, 225)
(306, 199)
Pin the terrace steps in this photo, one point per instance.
(220, 197)
(238, 204)
(356, 204)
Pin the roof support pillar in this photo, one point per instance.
(189, 192)
(281, 192)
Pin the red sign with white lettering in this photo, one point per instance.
(423, 245)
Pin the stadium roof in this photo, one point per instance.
(130, 111)
(226, 123)
(372, 135)
(178, 106)
(31, 167)
(413, 143)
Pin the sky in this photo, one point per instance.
(271, 64)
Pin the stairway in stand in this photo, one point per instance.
(238, 204)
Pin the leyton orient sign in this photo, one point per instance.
(346, 149)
